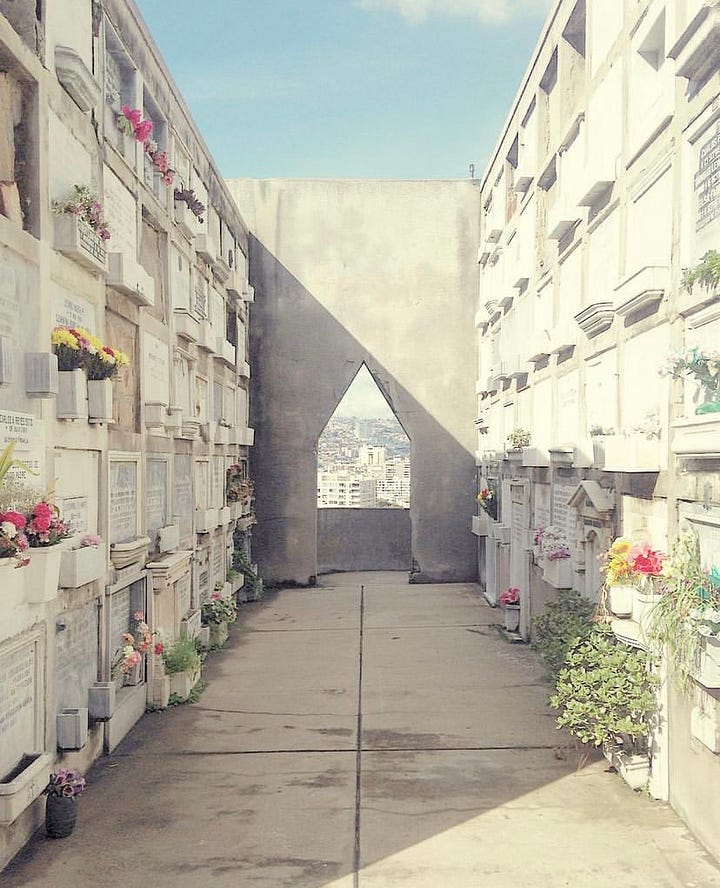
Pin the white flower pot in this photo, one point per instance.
(634, 769)
(100, 400)
(81, 566)
(72, 399)
(218, 634)
(620, 600)
(72, 728)
(43, 573)
(707, 668)
(558, 572)
(512, 617)
(182, 683)
(644, 602)
(19, 792)
(135, 676)
(101, 700)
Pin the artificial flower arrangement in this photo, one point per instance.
(44, 526)
(76, 348)
(626, 563)
(83, 203)
(13, 540)
(239, 488)
(510, 596)
(66, 783)
(131, 123)
(90, 540)
(188, 197)
(553, 543)
(219, 610)
(488, 501)
(704, 365)
(518, 439)
(134, 645)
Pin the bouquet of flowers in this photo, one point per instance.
(219, 610)
(85, 205)
(44, 526)
(76, 348)
(103, 361)
(625, 563)
(510, 596)
(131, 123)
(488, 501)
(13, 541)
(703, 365)
(135, 644)
(66, 783)
(554, 544)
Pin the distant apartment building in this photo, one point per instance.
(602, 190)
(346, 490)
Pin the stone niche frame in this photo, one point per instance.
(595, 507)
(20, 792)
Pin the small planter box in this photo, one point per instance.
(697, 437)
(499, 532)
(480, 525)
(558, 572)
(707, 670)
(644, 601)
(225, 351)
(128, 276)
(182, 683)
(25, 783)
(206, 520)
(43, 573)
(185, 219)
(237, 584)
(512, 617)
(218, 634)
(634, 769)
(72, 398)
(191, 625)
(203, 637)
(81, 566)
(100, 400)
(134, 551)
(186, 325)
(72, 728)
(620, 600)
(77, 240)
(534, 456)
(101, 700)
(222, 434)
(631, 454)
(224, 515)
(206, 339)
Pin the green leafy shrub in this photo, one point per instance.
(181, 656)
(706, 272)
(559, 626)
(605, 693)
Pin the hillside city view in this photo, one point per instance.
(363, 463)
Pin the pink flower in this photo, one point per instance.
(14, 518)
(510, 596)
(134, 115)
(159, 648)
(645, 560)
(41, 518)
(139, 616)
(143, 130)
(91, 539)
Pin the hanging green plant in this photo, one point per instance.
(706, 272)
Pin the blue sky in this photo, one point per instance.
(406, 89)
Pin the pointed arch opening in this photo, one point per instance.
(363, 483)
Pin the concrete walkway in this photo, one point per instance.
(457, 780)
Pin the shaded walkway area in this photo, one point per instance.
(364, 733)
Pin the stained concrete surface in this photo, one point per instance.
(460, 779)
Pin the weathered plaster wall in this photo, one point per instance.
(374, 271)
(363, 539)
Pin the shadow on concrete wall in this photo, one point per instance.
(303, 361)
(363, 539)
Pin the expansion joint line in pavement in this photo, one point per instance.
(358, 755)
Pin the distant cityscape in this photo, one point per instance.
(363, 463)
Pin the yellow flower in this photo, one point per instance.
(62, 336)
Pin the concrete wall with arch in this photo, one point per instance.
(347, 272)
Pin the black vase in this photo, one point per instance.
(60, 816)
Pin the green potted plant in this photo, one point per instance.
(562, 624)
(606, 696)
(686, 618)
(216, 613)
(182, 663)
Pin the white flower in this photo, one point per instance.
(9, 529)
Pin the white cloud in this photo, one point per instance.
(488, 11)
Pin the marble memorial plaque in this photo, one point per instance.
(707, 181)
(119, 620)
(219, 316)
(182, 493)
(156, 371)
(18, 695)
(72, 310)
(156, 498)
(9, 304)
(561, 512)
(26, 431)
(219, 567)
(123, 501)
(75, 513)
(184, 594)
(201, 399)
(121, 208)
(218, 482)
(179, 279)
(76, 653)
(69, 160)
(201, 484)
(218, 392)
(200, 299)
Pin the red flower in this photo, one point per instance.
(645, 560)
(14, 518)
(41, 518)
(134, 115)
(159, 648)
